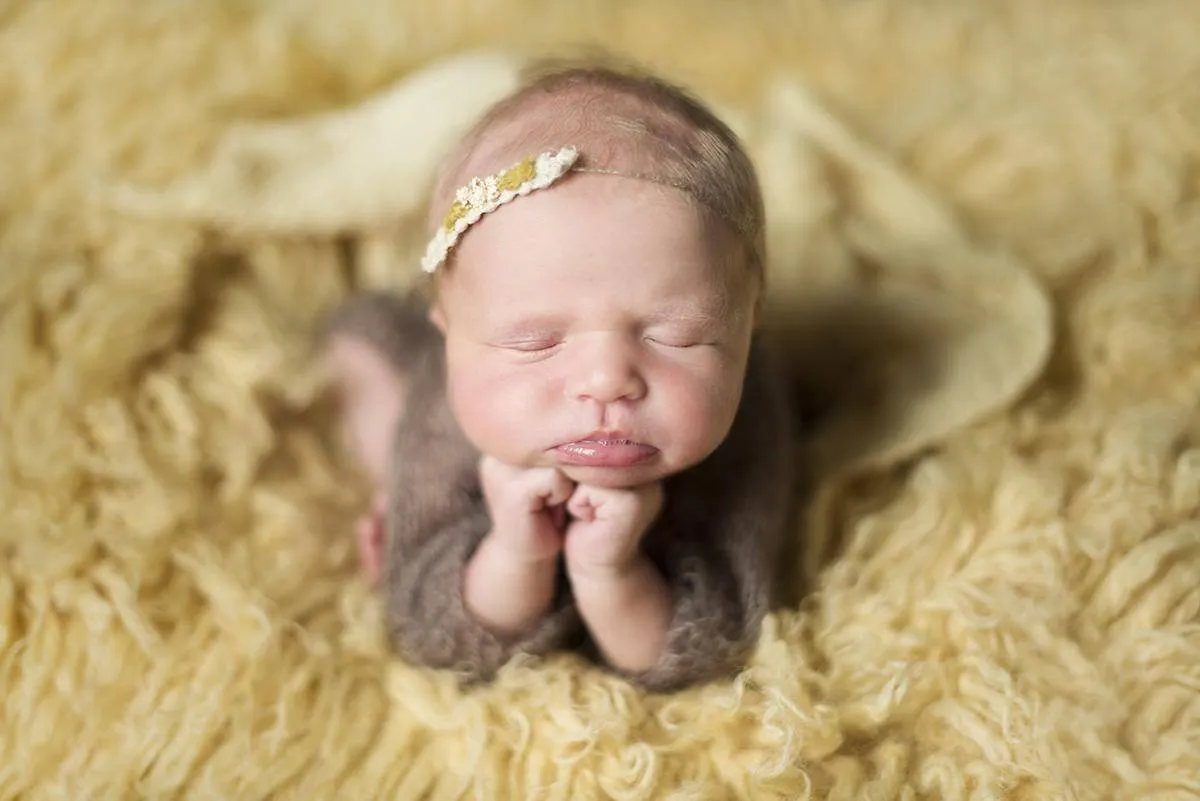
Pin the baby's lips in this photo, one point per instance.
(605, 453)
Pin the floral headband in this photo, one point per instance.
(484, 195)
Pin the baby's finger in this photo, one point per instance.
(580, 505)
(542, 488)
(561, 488)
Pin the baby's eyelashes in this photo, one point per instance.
(680, 337)
(545, 342)
(539, 344)
(675, 341)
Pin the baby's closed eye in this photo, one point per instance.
(526, 336)
(534, 345)
(534, 342)
(682, 337)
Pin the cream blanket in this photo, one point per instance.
(1002, 539)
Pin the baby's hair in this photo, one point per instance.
(624, 122)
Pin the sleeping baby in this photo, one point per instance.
(576, 436)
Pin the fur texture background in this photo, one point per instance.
(1012, 612)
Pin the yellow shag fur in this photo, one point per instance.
(1007, 603)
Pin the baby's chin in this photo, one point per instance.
(657, 467)
(616, 477)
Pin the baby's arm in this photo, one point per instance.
(430, 528)
(628, 613)
(511, 580)
(715, 548)
(455, 594)
(621, 595)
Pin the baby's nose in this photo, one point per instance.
(607, 371)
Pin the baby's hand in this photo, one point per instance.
(527, 510)
(608, 526)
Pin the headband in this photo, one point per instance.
(483, 195)
(486, 194)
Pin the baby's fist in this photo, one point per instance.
(607, 525)
(526, 507)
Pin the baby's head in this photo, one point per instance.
(602, 323)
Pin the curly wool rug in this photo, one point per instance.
(985, 232)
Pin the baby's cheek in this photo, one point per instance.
(701, 411)
(472, 403)
(494, 411)
(700, 426)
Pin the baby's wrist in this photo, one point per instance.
(608, 572)
(514, 555)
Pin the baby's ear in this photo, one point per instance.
(437, 317)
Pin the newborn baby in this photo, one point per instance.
(578, 441)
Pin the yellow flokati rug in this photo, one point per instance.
(985, 232)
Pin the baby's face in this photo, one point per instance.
(595, 326)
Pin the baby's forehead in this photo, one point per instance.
(642, 241)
